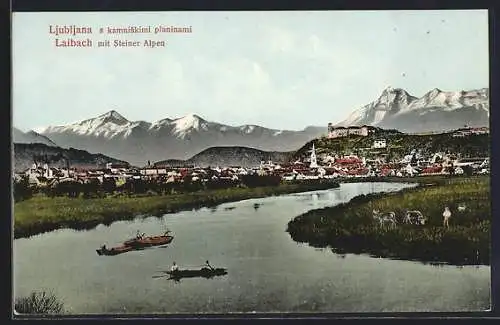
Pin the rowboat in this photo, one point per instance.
(204, 273)
(113, 250)
(149, 241)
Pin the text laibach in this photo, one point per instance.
(81, 36)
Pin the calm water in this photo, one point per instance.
(267, 270)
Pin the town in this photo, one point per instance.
(314, 165)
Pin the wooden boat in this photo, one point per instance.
(114, 250)
(204, 273)
(149, 241)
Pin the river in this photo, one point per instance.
(267, 270)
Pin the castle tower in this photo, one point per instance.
(314, 163)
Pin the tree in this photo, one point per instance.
(108, 185)
(468, 170)
(22, 189)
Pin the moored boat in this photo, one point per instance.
(149, 241)
(114, 250)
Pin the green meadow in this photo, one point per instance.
(41, 213)
(350, 228)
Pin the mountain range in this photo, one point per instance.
(180, 138)
(437, 110)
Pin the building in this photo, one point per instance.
(467, 131)
(380, 143)
(340, 131)
(150, 171)
(117, 167)
(313, 161)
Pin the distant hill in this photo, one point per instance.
(231, 156)
(25, 154)
(399, 144)
(19, 136)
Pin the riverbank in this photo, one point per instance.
(41, 214)
(350, 228)
(421, 180)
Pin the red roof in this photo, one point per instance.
(430, 170)
(385, 171)
(359, 171)
(348, 161)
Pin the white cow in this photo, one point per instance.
(387, 218)
(414, 217)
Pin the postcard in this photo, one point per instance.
(234, 162)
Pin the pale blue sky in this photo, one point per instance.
(283, 70)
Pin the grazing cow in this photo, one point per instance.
(414, 217)
(388, 218)
(446, 217)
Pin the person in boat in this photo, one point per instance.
(138, 234)
(208, 265)
(103, 247)
(174, 267)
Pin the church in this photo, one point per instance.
(313, 159)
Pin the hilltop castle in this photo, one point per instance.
(340, 131)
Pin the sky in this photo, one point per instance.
(282, 70)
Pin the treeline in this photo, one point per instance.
(94, 188)
(259, 181)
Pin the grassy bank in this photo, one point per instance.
(423, 180)
(41, 214)
(349, 227)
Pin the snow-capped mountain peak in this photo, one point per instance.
(391, 101)
(161, 123)
(188, 123)
(112, 117)
(392, 98)
(108, 124)
(395, 108)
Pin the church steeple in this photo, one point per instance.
(314, 163)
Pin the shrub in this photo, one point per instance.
(40, 302)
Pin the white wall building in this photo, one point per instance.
(340, 131)
(380, 143)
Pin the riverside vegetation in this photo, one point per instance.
(41, 213)
(39, 303)
(350, 228)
